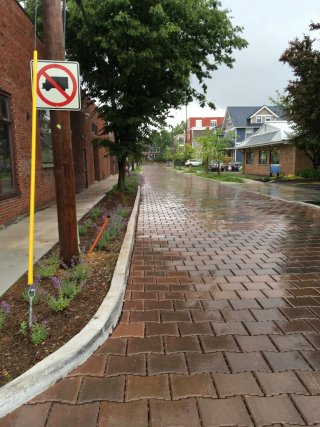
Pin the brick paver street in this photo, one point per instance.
(221, 320)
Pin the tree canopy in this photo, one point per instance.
(213, 147)
(300, 102)
(137, 56)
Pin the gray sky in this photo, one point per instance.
(257, 73)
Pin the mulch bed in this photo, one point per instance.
(17, 352)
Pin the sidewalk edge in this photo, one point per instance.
(80, 347)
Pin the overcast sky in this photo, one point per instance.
(257, 73)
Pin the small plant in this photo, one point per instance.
(58, 304)
(115, 225)
(23, 328)
(36, 298)
(48, 267)
(122, 211)
(69, 289)
(39, 333)
(5, 309)
(78, 273)
(83, 228)
(95, 214)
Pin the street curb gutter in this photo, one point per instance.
(82, 346)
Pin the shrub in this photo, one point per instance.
(310, 173)
(48, 267)
(95, 214)
(39, 333)
(115, 225)
(83, 228)
(5, 309)
(58, 304)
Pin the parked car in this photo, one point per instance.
(234, 166)
(214, 167)
(193, 162)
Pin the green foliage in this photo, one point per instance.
(58, 303)
(122, 211)
(23, 328)
(48, 267)
(310, 173)
(95, 213)
(69, 289)
(39, 333)
(300, 102)
(78, 273)
(83, 228)
(3, 316)
(223, 177)
(114, 227)
(213, 146)
(25, 296)
(137, 58)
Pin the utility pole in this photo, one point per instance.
(61, 140)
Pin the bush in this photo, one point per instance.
(310, 173)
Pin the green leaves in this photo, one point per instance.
(301, 101)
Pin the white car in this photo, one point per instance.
(193, 163)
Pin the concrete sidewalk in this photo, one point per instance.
(221, 320)
(14, 240)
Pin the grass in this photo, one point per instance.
(223, 177)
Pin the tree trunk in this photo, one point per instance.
(132, 165)
(121, 174)
(61, 141)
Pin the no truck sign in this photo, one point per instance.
(58, 85)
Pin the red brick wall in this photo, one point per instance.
(292, 161)
(16, 49)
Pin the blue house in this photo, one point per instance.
(245, 121)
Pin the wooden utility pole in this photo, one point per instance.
(61, 140)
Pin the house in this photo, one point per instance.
(90, 164)
(270, 152)
(198, 126)
(245, 121)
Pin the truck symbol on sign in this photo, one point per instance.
(61, 81)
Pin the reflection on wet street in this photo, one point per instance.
(237, 223)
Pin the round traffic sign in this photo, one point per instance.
(54, 84)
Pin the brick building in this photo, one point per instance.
(269, 151)
(90, 164)
(197, 126)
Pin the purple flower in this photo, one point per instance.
(5, 307)
(56, 282)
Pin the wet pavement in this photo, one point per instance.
(221, 319)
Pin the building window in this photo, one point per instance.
(45, 138)
(7, 184)
(213, 123)
(249, 157)
(198, 123)
(268, 119)
(262, 157)
(258, 119)
(274, 157)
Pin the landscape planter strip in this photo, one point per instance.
(84, 344)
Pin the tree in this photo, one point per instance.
(213, 147)
(137, 57)
(300, 102)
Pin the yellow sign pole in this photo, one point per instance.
(33, 166)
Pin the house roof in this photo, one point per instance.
(240, 116)
(270, 133)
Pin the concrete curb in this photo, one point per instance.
(80, 347)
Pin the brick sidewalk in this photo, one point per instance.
(220, 322)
